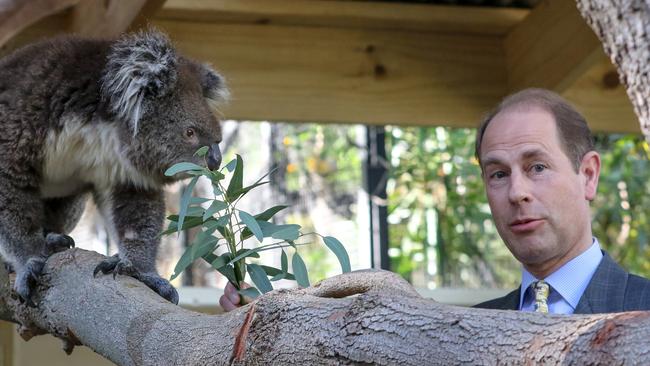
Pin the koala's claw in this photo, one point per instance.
(116, 265)
(123, 266)
(26, 278)
(59, 242)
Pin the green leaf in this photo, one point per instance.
(264, 216)
(258, 276)
(236, 181)
(231, 165)
(276, 273)
(284, 262)
(198, 200)
(215, 207)
(182, 167)
(221, 261)
(289, 232)
(185, 200)
(188, 224)
(300, 270)
(215, 176)
(251, 292)
(228, 272)
(251, 224)
(268, 214)
(202, 151)
(246, 253)
(339, 250)
(193, 252)
(240, 192)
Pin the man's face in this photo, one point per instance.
(538, 201)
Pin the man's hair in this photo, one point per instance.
(575, 137)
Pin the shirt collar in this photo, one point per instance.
(570, 280)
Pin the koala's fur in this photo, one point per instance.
(103, 118)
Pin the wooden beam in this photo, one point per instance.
(16, 15)
(315, 74)
(349, 14)
(551, 48)
(102, 18)
(603, 101)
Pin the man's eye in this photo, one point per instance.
(498, 175)
(538, 168)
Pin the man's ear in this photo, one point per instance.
(590, 170)
(139, 66)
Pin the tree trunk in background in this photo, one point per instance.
(362, 317)
(623, 27)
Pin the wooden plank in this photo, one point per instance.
(551, 48)
(353, 14)
(311, 74)
(603, 100)
(7, 332)
(17, 15)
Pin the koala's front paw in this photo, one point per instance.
(26, 279)
(58, 242)
(123, 266)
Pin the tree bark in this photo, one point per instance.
(623, 27)
(363, 317)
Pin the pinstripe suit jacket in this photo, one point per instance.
(610, 290)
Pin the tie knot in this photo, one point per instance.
(542, 290)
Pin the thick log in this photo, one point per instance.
(623, 26)
(362, 317)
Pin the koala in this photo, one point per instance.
(100, 118)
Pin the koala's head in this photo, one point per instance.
(164, 104)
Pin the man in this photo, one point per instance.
(540, 172)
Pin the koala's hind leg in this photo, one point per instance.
(137, 217)
(61, 216)
(22, 240)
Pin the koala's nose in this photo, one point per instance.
(214, 157)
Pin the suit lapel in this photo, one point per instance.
(606, 290)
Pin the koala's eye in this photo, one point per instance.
(189, 132)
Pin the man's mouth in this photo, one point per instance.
(525, 225)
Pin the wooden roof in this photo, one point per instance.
(348, 61)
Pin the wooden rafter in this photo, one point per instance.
(16, 15)
(551, 48)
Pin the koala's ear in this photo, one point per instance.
(138, 67)
(214, 87)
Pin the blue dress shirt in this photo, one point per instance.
(567, 283)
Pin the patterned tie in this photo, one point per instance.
(541, 289)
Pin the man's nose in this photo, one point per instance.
(214, 157)
(519, 188)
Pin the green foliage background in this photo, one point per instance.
(440, 229)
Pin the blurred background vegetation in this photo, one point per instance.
(440, 229)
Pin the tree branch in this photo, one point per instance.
(361, 317)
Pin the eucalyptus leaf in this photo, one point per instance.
(192, 253)
(276, 273)
(251, 224)
(300, 270)
(231, 165)
(182, 167)
(236, 181)
(251, 292)
(185, 200)
(220, 261)
(284, 262)
(339, 250)
(215, 207)
(261, 217)
(259, 278)
(202, 151)
(289, 232)
(188, 224)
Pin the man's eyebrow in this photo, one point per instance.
(534, 153)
